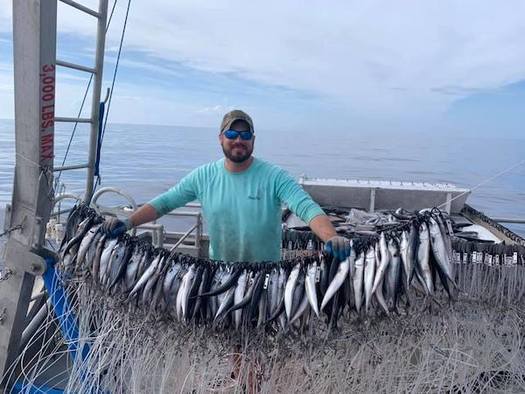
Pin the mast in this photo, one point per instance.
(34, 44)
(35, 62)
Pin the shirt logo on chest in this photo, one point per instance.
(255, 196)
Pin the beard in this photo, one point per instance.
(238, 157)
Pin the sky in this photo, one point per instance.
(445, 67)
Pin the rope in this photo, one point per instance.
(10, 230)
(112, 89)
(57, 179)
(482, 183)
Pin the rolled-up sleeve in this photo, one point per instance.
(293, 195)
(179, 195)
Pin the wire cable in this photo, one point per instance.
(113, 86)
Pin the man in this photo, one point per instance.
(241, 198)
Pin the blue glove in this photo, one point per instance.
(114, 227)
(339, 247)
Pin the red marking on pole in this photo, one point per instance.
(47, 111)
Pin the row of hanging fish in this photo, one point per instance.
(374, 279)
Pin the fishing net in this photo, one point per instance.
(471, 343)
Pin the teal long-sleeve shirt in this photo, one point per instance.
(242, 210)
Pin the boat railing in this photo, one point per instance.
(192, 240)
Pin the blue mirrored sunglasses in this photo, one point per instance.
(233, 134)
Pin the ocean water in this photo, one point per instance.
(146, 160)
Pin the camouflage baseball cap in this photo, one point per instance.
(234, 115)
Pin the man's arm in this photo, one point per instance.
(144, 214)
(322, 227)
(179, 195)
(309, 211)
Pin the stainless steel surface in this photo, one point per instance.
(63, 119)
(95, 101)
(34, 44)
(377, 195)
(81, 7)
(509, 220)
(76, 66)
(71, 167)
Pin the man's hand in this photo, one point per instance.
(114, 227)
(338, 246)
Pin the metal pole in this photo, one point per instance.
(34, 46)
(95, 102)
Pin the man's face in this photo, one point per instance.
(237, 150)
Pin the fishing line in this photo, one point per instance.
(482, 183)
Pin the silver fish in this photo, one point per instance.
(240, 290)
(227, 301)
(423, 258)
(342, 271)
(148, 273)
(105, 259)
(132, 267)
(407, 264)
(370, 270)
(95, 268)
(383, 263)
(379, 289)
(171, 274)
(300, 310)
(289, 290)
(183, 295)
(309, 283)
(393, 276)
(437, 243)
(91, 252)
(86, 243)
(358, 280)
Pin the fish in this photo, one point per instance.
(251, 310)
(71, 226)
(342, 271)
(95, 267)
(358, 281)
(300, 309)
(370, 269)
(85, 243)
(148, 273)
(289, 289)
(229, 280)
(407, 264)
(105, 259)
(393, 276)
(151, 284)
(194, 289)
(252, 286)
(83, 227)
(183, 294)
(171, 295)
(263, 303)
(171, 275)
(383, 262)
(298, 293)
(439, 249)
(225, 304)
(132, 267)
(378, 293)
(118, 265)
(309, 283)
(91, 252)
(423, 258)
(445, 234)
(238, 296)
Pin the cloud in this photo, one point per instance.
(215, 109)
(374, 57)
